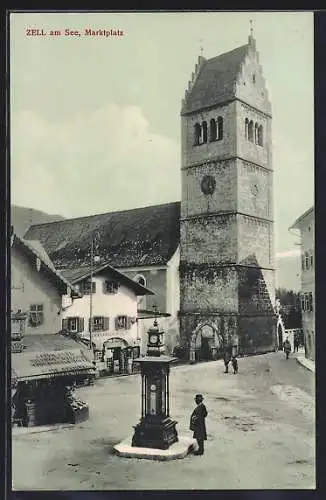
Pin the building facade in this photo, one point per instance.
(226, 226)
(107, 315)
(37, 288)
(305, 224)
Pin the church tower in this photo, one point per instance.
(227, 288)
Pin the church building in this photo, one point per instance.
(210, 258)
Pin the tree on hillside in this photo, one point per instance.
(290, 309)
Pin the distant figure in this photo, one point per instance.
(197, 423)
(296, 344)
(235, 364)
(227, 359)
(287, 348)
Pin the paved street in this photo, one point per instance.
(260, 433)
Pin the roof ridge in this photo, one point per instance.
(246, 45)
(103, 213)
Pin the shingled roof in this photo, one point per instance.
(141, 236)
(214, 80)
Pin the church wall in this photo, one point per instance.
(224, 197)
(224, 148)
(156, 281)
(208, 289)
(254, 191)
(209, 240)
(255, 242)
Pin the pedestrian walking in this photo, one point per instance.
(235, 364)
(197, 424)
(296, 344)
(287, 348)
(227, 359)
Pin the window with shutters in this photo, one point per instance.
(302, 303)
(36, 315)
(311, 302)
(122, 323)
(73, 324)
(86, 287)
(100, 323)
(112, 286)
(306, 256)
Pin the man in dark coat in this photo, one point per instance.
(197, 424)
(227, 359)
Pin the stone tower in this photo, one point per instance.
(227, 289)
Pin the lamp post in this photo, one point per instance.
(156, 429)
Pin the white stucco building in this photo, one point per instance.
(108, 313)
(305, 224)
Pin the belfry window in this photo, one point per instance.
(256, 133)
(260, 141)
(251, 131)
(219, 128)
(197, 134)
(204, 126)
(246, 127)
(212, 130)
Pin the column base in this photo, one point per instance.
(155, 433)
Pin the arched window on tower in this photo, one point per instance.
(197, 134)
(260, 136)
(251, 131)
(219, 128)
(212, 130)
(256, 133)
(204, 125)
(246, 128)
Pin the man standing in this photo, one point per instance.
(227, 359)
(197, 423)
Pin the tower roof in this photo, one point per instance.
(214, 79)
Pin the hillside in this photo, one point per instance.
(22, 218)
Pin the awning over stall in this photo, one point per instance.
(27, 366)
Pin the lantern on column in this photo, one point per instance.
(156, 429)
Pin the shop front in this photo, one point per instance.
(43, 387)
(114, 354)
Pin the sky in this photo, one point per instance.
(95, 121)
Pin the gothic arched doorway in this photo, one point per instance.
(205, 342)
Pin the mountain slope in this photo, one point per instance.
(22, 218)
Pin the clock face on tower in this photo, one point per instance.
(208, 184)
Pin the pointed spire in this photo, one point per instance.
(251, 39)
(201, 47)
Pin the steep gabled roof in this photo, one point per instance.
(141, 236)
(35, 249)
(215, 80)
